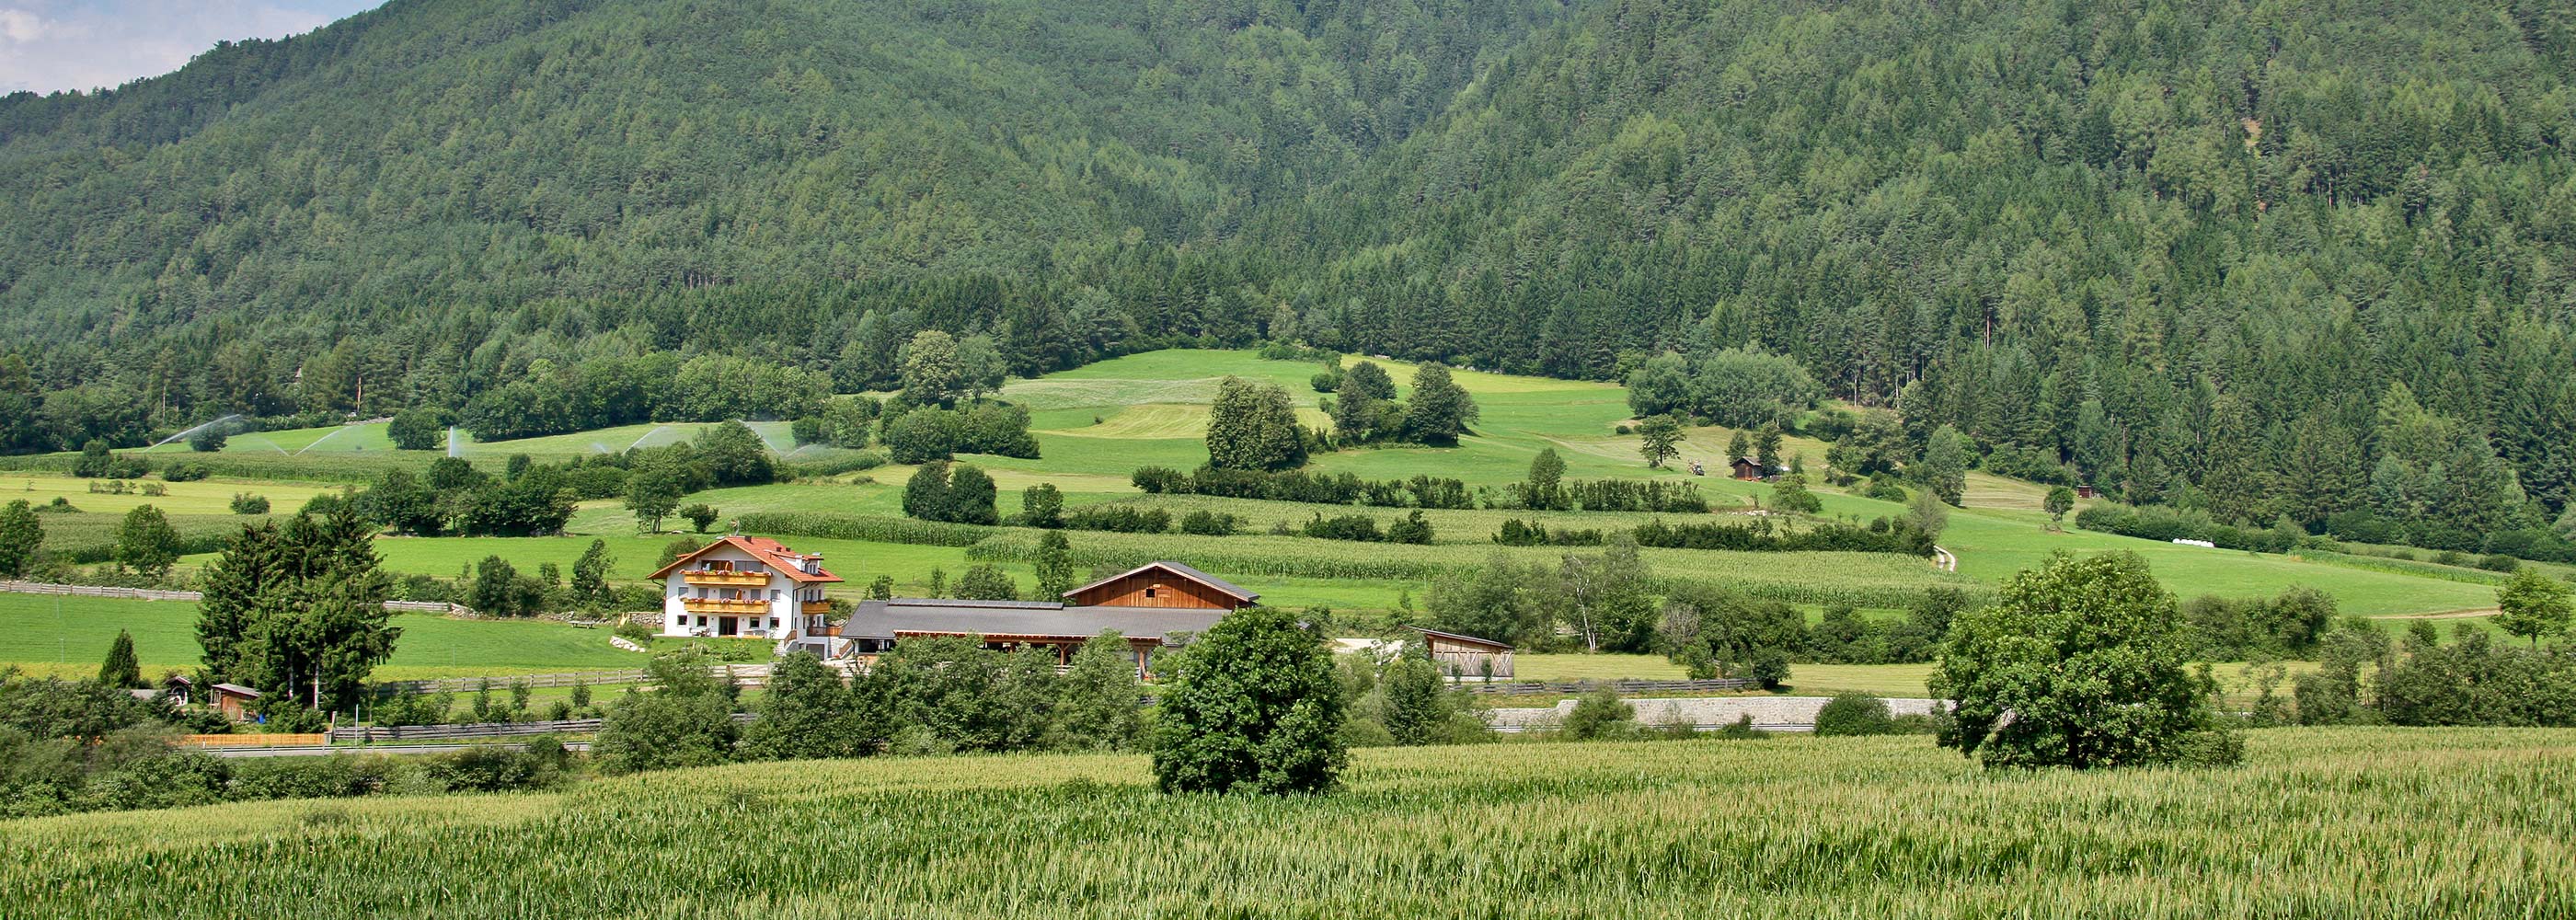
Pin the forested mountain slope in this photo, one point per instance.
(456, 189)
(2194, 248)
(2265, 258)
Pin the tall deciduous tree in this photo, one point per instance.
(146, 543)
(590, 576)
(1659, 439)
(2533, 605)
(1055, 566)
(1252, 706)
(1944, 467)
(1097, 710)
(652, 495)
(1440, 409)
(2080, 663)
(1253, 426)
(21, 535)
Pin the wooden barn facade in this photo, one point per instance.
(1162, 584)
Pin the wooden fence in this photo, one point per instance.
(227, 741)
(1534, 688)
(155, 594)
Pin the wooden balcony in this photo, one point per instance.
(696, 605)
(724, 578)
(815, 608)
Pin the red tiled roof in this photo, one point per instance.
(769, 551)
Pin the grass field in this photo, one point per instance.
(70, 635)
(2342, 823)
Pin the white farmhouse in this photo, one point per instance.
(745, 586)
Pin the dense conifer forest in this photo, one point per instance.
(2266, 260)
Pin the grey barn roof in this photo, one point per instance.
(1180, 569)
(886, 619)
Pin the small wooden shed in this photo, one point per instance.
(234, 700)
(1746, 470)
(1467, 656)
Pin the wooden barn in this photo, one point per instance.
(1746, 470)
(1153, 606)
(1162, 584)
(1467, 656)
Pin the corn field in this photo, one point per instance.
(2344, 823)
(1858, 579)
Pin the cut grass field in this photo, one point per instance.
(2342, 823)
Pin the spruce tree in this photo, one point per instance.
(121, 670)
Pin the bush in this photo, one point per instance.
(246, 503)
(1517, 533)
(1856, 714)
(1600, 714)
(1346, 527)
(1410, 529)
(1210, 524)
(185, 471)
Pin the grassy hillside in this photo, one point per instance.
(1887, 827)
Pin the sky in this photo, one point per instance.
(50, 45)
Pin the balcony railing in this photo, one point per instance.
(723, 577)
(816, 608)
(702, 605)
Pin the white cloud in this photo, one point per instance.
(50, 45)
(19, 26)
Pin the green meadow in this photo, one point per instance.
(1097, 424)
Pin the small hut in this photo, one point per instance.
(234, 700)
(1467, 656)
